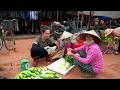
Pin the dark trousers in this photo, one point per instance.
(84, 67)
(21, 25)
(34, 26)
(38, 52)
(119, 47)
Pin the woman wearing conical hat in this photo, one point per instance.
(93, 62)
(66, 41)
(114, 33)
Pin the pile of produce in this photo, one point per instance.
(106, 38)
(38, 73)
(69, 59)
(66, 63)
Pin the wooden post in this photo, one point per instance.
(78, 20)
(89, 21)
(61, 17)
(57, 15)
(81, 19)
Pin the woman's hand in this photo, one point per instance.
(69, 49)
(47, 47)
(54, 50)
(70, 54)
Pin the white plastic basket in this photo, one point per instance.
(54, 67)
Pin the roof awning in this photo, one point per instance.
(103, 17)
(110, 14)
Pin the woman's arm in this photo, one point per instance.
(91, 54)
(79, 48)
(51, 43)
(76, 49)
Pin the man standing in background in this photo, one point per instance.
(34, 21)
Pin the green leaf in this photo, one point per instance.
(69, 59)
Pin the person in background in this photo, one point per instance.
(102, 25)
(34, 22)
(41, 46)
(66, 41)
(56, 29)
(95, 24)
(67, 27)
(79, 41)
(114, 33)
(93, 61)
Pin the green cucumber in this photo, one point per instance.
(50, 72)
(47, 76)
(17, 77)
(57, 75)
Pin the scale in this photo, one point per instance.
(24, 64)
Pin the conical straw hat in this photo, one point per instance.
(91, 32)
(66, 35)
(108, 31)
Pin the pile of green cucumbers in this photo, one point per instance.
(40, 73)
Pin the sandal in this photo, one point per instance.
(48, 58)
(116, 53)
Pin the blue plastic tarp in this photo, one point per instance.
(103, 18)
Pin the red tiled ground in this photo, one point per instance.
(10, 61)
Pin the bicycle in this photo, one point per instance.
(7, 37)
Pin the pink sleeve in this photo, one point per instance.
(90, 56)
(80, 48)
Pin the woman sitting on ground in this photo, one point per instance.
(41, 46)
(66, 40)
(92, 62)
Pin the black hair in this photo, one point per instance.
(55, 37)
(97, 41)
(44, 28)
